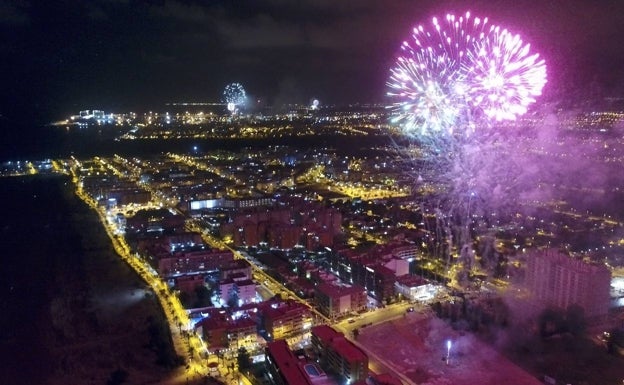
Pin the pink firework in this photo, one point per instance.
(461, 73)
(504, 77)
(427, 82)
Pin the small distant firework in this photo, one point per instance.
(234, 96)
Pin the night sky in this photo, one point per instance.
(59, 57)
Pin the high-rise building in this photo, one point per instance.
(556, 279)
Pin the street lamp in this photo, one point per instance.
(448, 351)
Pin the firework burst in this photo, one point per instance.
(234, 96)
(504, 76)
(459, 70)
(452, 81)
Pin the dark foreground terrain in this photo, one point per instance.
(72, 312)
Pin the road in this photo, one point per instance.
(186, 342)
(259, 275)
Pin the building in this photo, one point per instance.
(408, 252)
(339, 300)
(284, 236)
(224, 333)
(302, 223)
(188, 283)
(555, 279)
(338, 355)
(236, 292)
(162, 219)
(193, 262)
(213, 330)
(375, 271)
(132, 195)
(415, 288)
(243, 333)
(284, 368)
(398, 266)
(377, 279)
(246, 291)
(228, 292)
(284, 320)
(235, 268)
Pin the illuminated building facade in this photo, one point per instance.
(556, 279)
(283, 320)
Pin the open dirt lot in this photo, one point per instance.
(416, 345)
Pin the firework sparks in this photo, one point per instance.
(455, 78)
(505, 78)
(460, 69)
(234, 96)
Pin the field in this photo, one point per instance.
(416, 346)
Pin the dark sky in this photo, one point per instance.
(59, 57)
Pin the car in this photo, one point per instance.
(410, 309)
(351, 320)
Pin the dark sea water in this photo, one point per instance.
(36, 143)
(35, 240)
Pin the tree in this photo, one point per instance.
(233, 301)
(551, 321)
(615, 341)
(185, 299)
(243, 359)
(575, 320)
(160, 342)
(202, 295)
(500, 270)
(117, 377)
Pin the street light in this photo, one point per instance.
(448, 351)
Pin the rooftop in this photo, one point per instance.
(339, 343)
